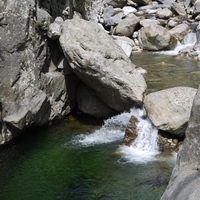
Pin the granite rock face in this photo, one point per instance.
(24, 59)
(185, 178)
(21, 62)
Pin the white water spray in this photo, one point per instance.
(112, 130)
(143, 149)
(186, 45)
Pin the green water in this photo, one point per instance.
(45, 165)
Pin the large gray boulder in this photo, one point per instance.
(155, 37)
(89, 9)
(147, 22)
(22, 57)
(185, 178)
(169, 109)
(101, 64)
(125, 43)
(55, 28)
(178, 8)
(196, 10)
(61, 91)
(164, 13)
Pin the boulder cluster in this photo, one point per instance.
(151, 25)
(59, 55)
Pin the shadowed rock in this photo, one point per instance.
(131, 131)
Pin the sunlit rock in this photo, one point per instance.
(55, 28)
(164, 13)
(125, 43)
(101, 64)
(179, 31)
(178, 8)
(155, 37)
(169, 109)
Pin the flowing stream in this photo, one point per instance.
(186, 45)
(64, 162)
(83, 159)
(143, 149)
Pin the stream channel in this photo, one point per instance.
(79, 159)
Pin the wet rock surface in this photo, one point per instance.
(131, 131)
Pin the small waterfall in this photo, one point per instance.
(113, 129)
(147, 137)
(143, 149)
(187, 44)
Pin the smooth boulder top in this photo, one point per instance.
(169, 109)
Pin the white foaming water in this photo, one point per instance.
(112, 130)
(187, 43)
(145, 147)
